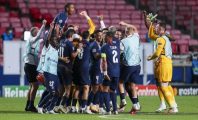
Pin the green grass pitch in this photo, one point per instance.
(13, 109)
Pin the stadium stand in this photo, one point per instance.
(22, 14)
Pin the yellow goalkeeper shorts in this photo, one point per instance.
(163, 70)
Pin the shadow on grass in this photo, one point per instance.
(138, 113)
(154, 113)
(16, 112)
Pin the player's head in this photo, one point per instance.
(98, 35)
(119, 34)
(109, 37)
(55, 39)
(85, 35)
(69, 33)
(160, 28)
(76, 40)
(129, 31)
(34, 31)
(113, 30)
(70, 8)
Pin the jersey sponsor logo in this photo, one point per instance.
(52, 60)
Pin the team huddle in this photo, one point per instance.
(83, 71)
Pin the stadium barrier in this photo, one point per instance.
(143, 90)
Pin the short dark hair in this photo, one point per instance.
(109, 34)
(69, 33)
(68, 5)
(162, 24)
(105, 29)
(97, 31)
(70, 26)
(85, 35)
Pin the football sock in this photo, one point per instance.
(107, 101)
(74, 102)
(64, 100)
(168, 96)
(122, 96)
(90, 99)
(101, 99)
(114, 100)
(96, 98)
(161, 96)
(84, 103)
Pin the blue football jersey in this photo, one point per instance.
(66, 49)
(95, 63)
(112, 52)
(83, 58)
(61, 19)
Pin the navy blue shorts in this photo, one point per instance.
(130, 73)
(81, 77)
(96, 78)
(113, 84)
(51, 82)
(64, 74)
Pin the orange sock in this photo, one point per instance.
(169, 97)
(160, 94)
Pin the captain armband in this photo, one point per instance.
(103, 55)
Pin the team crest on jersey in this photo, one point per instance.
(60, 21)
(94, 50)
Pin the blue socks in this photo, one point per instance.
(101, 100)
(96, 98)
(84, 103)
(91, 98)
(122, 96)
(114, 100)
(107, 100)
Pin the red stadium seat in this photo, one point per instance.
(48, 17)
(3, 19)
(13, 4)
(14, 14)
(183, 48)
(5, 24)
(112, 10)
(2, 9)
(2, 30)
(15, 19)
(175, 48)
(4, 14)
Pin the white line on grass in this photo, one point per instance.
(115, 117)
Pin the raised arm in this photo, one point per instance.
(38, 35)
(129, 25)
(151, 33)
(52, 26)
(146, 20)
(102, 24)
(92, 26)
(41, 29)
